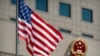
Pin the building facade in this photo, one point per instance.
(74, 18)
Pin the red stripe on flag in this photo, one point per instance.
(51, 27)
(45, 37)
(43, 28)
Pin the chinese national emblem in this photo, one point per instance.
(78, 47)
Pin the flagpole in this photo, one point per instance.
(17, 39)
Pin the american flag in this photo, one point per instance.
(41, 38)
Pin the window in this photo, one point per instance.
(42, 5)
(65, 9)
(64, 30)
(87, 35)
(13, 1)
(13, 19)
(87, 15)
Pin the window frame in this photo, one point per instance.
(69, 8)
(46, 9)
(91, 15)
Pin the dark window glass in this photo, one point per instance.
(13, 1)
(42, 5)
(65, 9)
(87, 15)
(87, 35)
(64, 30)
(13, 19)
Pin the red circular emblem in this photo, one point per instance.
(78, 47)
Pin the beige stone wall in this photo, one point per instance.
(75, 24)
